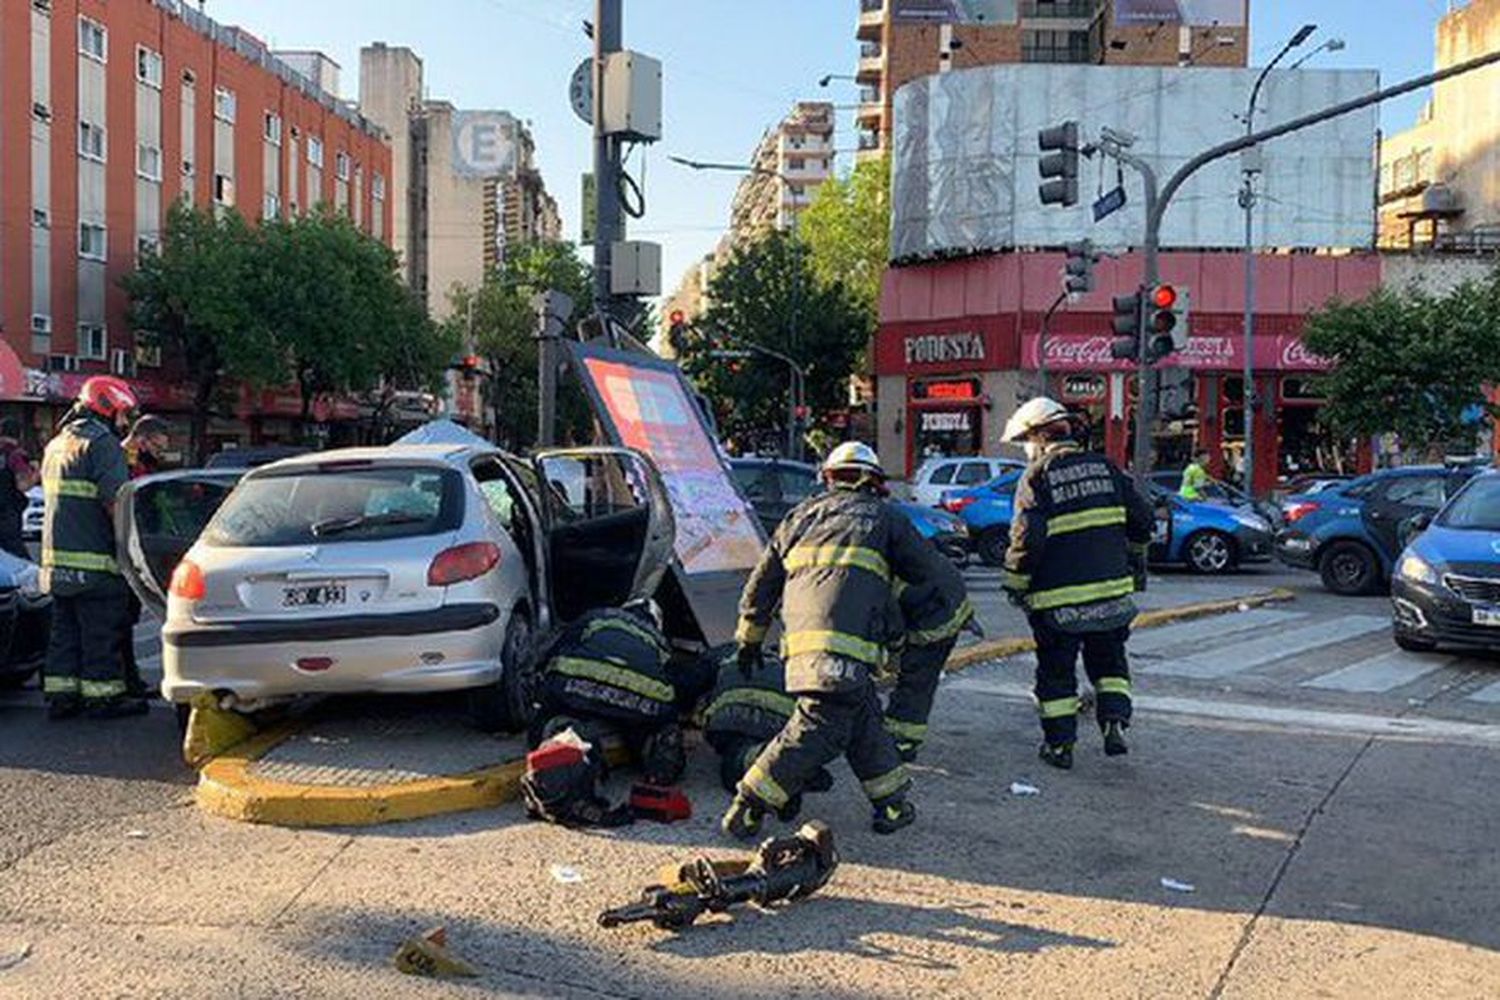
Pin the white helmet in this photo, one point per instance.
(1032, 414)
(853, 456)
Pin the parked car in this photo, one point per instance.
(774, 486)
(935, 476)
(1206, 536)
(31, 517)
(253, 457)
(409, 568)
(25, 621)
(1445, 590)
(1349, 533)
(1170, 480)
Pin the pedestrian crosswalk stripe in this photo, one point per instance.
(1380, 673)
(1279, 645)
(1157, 639)
(1490, 694)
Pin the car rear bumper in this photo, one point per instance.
(393, 654)
(1434, 614)
(1296, 549)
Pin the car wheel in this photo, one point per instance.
(1348, 568)
(506, 705)
(1413, 645)
(1210, 552)
(992, 545)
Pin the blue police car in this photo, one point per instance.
(1350, 533)
(1445, 590)
(1206, 536)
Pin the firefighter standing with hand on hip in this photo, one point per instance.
(1078, 541)
(82, 468)
(831, 565)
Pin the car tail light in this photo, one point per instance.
(1297, 510)
(187, 582)
(955, 505)
(463, 562)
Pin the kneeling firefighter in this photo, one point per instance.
(1078, 541)
(933, 615)
(830, 566)
(605, 682)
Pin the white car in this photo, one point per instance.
(935, 476)
(409, 568)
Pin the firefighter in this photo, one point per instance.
(830, 566)
(933, 614)
(1078, 538)
(82, 468)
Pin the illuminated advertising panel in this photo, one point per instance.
(953, 11)
(1196, 13)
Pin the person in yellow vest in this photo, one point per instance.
(1195, 477)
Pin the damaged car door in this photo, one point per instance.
(158, 518)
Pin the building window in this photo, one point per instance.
(223, 189)
(91, 141)
(315, 151)
(93, 342)
(41, 324)
(1047, 46)
(224, 105)
(146, 246)
(272, 207)
(93, 41)
(40, 219)
(41, 112)
(341, 165)
(148, 67)
(188, 79)
(273, 128)
(91, 241)
(377, 187)
(148, 162)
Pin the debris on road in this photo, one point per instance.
(566, 875)
(1022, 789)
(428, 955)
(782, 869)
(1176, 886)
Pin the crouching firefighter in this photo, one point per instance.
(606, 679)
(830, 566)
(933, 615)
(1077, 538)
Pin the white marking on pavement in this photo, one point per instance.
(1380, 673)
(1490, 694)
(1267, 649)
(1155, 639)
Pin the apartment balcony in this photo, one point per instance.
(1075, 13)
(871, 20)
(871, 64)
(871, 115)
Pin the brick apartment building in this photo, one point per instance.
(109, 111)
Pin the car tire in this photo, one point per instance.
(1210, 552)
(992, 545)
(1414, 645)
(506, 705)
(1349, 569)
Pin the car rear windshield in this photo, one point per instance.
(1476, 508)
(329, 504)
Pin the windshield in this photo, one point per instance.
(312, 506)
(1476, 508)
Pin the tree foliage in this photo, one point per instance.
(766, 294)
(1410, 361)
(847, 229)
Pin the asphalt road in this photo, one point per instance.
(1330, 802)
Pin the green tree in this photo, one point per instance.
(847, 229)
(1409, 361)
(766, 294)
(196, 297)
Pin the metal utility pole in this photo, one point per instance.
(1041, 348)
(609, 227)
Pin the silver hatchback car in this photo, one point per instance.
(409, 568)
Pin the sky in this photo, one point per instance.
(731, 69)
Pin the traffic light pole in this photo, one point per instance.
(1145, 386)
(1041, 350)
(609, 227)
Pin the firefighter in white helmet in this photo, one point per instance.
(1078, 538)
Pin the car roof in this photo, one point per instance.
(450, 454)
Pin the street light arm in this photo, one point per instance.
(1292, 43)
(733, 168)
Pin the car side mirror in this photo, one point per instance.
(1413, 526)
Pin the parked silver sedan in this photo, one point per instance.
(409, 568)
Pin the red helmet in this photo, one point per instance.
(107, 396)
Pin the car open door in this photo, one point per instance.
(158, 518)
(609, 527)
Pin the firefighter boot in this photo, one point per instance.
(745, 817)
(1114, 739)
(820, 780)
(63, 707)
(893, 814)
(1059, 756)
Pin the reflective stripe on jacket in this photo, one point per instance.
(937, 610)
(756, 707)
(610, 664)
(82, 468)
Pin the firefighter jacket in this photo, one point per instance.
(610, 664)
(934, 611)
(756, 707)
(1076, 520)
(831, 565)
(82, 469)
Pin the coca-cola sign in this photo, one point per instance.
(1214, 352)
(1079, 352)
(1294, 354)
(939, 348)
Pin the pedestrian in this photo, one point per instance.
(17, 475)
(1195, 477)
(82, 468)
(1078, 539)
(830, 566)
(932, 614)
(146, 446)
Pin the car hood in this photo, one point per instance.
(1447, 546)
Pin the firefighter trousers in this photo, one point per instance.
(83, 652)
(910, 702)
(1057, 680)
(824, 726)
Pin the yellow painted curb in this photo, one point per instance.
(995, 649)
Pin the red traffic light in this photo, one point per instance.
(678, 317)
(1164, 297)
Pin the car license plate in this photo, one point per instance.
(317, 596)
(1487, 616)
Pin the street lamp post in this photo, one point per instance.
(1247, 203)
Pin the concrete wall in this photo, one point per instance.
(1436, 273)
(390, 85)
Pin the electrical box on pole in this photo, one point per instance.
(635, 268)
(632, 96)
(1059, 167)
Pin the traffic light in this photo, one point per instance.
(1059, 167)
(1166, 321)
(1078, 272)
(1127, 327)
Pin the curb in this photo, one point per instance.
(996, 649)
